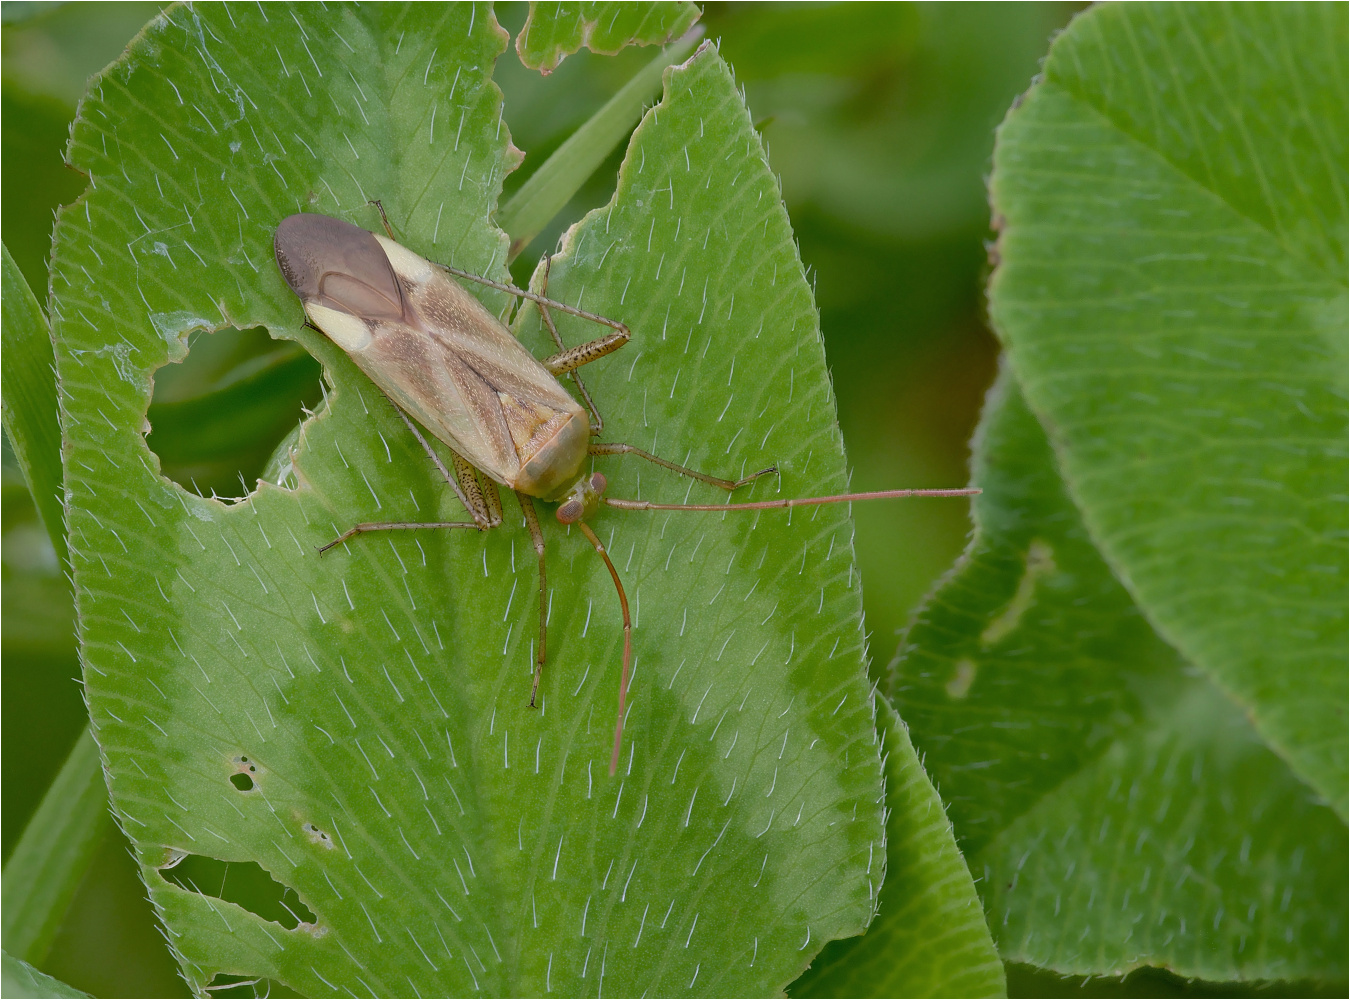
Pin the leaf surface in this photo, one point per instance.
(356, 724)
(929, 938)
(554, 31)
(30, 400)
(1116, 808)
(1172, 293)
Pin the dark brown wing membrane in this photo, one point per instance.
(336, 264)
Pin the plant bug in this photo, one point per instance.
(448, 364)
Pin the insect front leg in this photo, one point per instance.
(597, 421)
(618, 448)
(537, 537)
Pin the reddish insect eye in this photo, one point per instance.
(570, 512)
(599, 482)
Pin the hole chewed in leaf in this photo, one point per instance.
(225, 985)
(218, 416)
(244, 883)
(245, 771)
(318, 836)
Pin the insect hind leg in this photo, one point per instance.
(368, 526)
(484, 506)
(479, 496)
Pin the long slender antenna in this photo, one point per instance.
(627, 643)
(536, 298)
(794, 502)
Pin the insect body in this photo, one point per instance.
(438, 354)
(451, 366)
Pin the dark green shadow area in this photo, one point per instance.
(110, 943)
(218, 416)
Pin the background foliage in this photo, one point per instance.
(1115, 807)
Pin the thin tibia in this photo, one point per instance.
(794, 502)
(362, 529)
(618, 448)
(597, 422)
(533, 297)
(627, 643)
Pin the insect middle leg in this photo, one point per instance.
(534, 297)
(618, 448)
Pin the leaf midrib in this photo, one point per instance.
(1337, 279)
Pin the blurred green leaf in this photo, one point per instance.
(553, 31)
(48, 53)
(30, 400)
(929, 938)
(42, 708)
(54, 51)
(1027, 981)
(380, 694)
(22, 980)
(826, 40)
(554, 184)
(1117, 809)
(22, 10)
(111, 942)
(882, 114)
(53, 855)
(1172, 292)
(879, 119)
(107, 943)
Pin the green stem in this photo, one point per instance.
(552, 186)
(54, 853)
(56, 848)
(29, 404)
